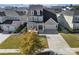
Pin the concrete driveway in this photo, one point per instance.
(59, 45)
(3, 37)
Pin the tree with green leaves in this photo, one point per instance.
(30, 43)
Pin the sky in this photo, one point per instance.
(20, 3)
(39, 1)
(43, 2)
(26, 5)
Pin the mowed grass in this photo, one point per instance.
(71, 39)
(13, 42)
(43, 41)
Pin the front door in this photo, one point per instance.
(40, 28)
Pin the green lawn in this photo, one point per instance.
(13, 42)
(71, 39)
(43, 41)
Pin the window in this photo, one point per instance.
(35, 12)
(7, 28)
(56, 26)
(76, 18)
(38, 12)
(32, 19)
(32, 12)
(35, 18)
(40, 27)
(40, 18)
(41, 12)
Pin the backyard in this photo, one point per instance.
(71, 39)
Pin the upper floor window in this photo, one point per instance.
(76, 17)
(32, 12)
(40, 18)
(41, 12)
(38, 12)
(35, 19)
(35, 12)
(32, 19)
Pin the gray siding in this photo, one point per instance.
(63, 22)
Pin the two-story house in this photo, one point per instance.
(42, 20)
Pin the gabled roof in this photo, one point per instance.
(51, 21)
(47, 15)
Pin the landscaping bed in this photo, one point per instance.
(71, 39)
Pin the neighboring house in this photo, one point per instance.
(10, 20)
(42, 20)
(69, 19)
(10, 25)
(23, 13)
(2, 16)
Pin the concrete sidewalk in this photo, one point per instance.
(9, 51)
(58, 44)
(3, 37)
(75, 49)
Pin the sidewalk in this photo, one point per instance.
(59, 45)
(75, 49)
(3, 37)
(9, 51)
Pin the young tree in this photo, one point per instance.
(30, 43)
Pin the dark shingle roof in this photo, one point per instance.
(47, 15)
